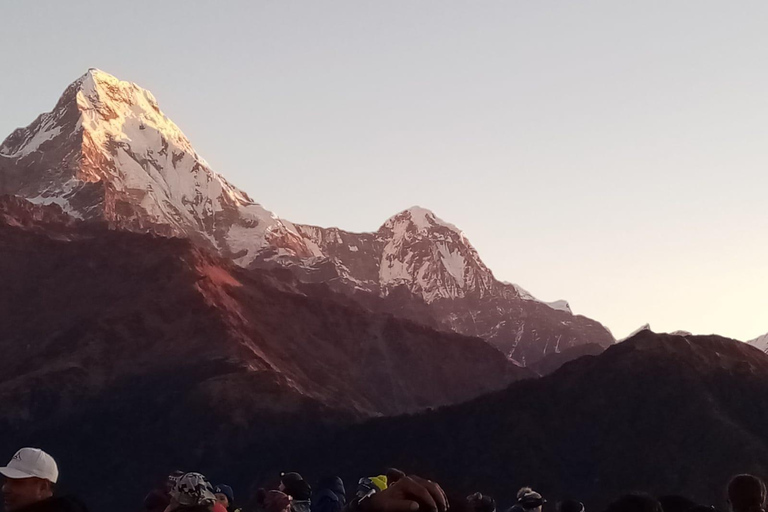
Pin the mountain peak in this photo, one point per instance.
(642, 328)
(422, 219)
(559, 305)
(97, 89)
(431, 257)
(97, 74)
(97, 71)
(107, 152)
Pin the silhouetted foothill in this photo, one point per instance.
(596, 428)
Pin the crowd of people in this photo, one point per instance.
(31, 475)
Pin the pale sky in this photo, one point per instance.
(611, 153)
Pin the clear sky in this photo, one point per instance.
(612, 153)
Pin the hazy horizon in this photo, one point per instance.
(609, 154)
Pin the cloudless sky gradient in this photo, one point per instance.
(612, 153)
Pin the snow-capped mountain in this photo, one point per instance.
(425, 269)
(760, 342)
(414, 250)
(106, 152)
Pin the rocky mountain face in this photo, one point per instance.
(106, 152)
(425, 269)
(109, 305)
(554, 361)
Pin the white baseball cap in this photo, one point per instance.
(31, 463)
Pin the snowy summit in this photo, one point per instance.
(107, 151)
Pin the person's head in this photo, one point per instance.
(224, 495)
(192, 491)
(674, 503)
(636, 502)
(294, 485)
(746, 493)
(272, 501)
(171, 479)
(570, 506)
(530, 500)
(480, 502)
(29, 478)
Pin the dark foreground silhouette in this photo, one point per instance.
(31, 475)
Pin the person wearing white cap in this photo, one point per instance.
(29, 481)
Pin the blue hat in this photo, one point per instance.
(226, 491)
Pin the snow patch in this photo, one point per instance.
(63, 203)
(646, 327)
(522, 292)
(559, 305)
(760, 342)
(453, 262)
(425, 219)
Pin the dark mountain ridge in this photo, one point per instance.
(657, 413)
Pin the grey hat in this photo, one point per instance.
(193, 489)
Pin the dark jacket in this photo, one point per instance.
(56, 504)
(301, 506)
(330, 496)
(298, 489)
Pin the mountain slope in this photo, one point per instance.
(553, 362)
(427, 270)
(658, 413)
(108, 304)
(134, 351)
(106, 152)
